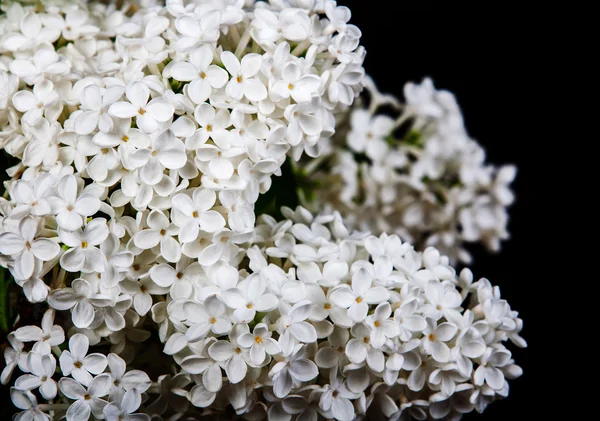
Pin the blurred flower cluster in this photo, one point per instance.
(410, 168)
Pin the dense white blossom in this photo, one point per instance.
(249, 331)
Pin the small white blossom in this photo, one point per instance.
(148, 113)
(87, 401)
(84, 255)
(358, 297)
(77, 363)
(259, 343)
(25, 248)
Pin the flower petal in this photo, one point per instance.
(303, 370)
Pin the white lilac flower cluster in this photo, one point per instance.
(411, 169)
(314, 322)
(143, 134)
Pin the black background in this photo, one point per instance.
(486, 57)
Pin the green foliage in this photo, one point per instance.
(412, 138)
(283, 192)
(291, 189)
(7, 310)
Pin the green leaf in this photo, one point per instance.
(283, 192)
(176, 85)
(5, 307)
(413, 138)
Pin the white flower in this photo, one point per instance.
(42, 368)
(77, 363)
(489, 371)
(13, 356)
(442, 301)
(260, 344)
(292, 372)
(243, 81)
(76, 25)
(147, 115)
(141, 292)
(294, 329)
(84, 255)
(47, 336)
(194, 213)
(87, 401)
(407, 320)
(469, 346)
(231, 356)
(213, 125)
(204, 75)
(27, 401)
(212, 379)
(292, 24)
(322, 307)
(369, 133)
(94, 103)
(358, 298)
(45, 62)
(296, 85)
(303, 121)
(118, 261)
(159, 231)
(197, 30)
(336, 398)
(166, 152)
(123, 380)
(240, 213)
(25, 248)
(435, 338)
(333, 351)
(70, 209)
(248, 298)
(80, 299)
(206, 317)
(446, 378)
(381, 325)
(180, 280)
(338, 16)
(32, 197)
(41, 101)
(123, 410)
(124, 136)
(30, 30)
(359, 348)
(112, 316)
